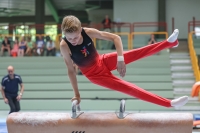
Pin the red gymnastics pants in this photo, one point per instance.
(100, 73)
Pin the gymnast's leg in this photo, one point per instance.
(110, 59)
(112, 82)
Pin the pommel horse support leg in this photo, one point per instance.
(38, 122)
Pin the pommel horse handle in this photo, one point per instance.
(75, 107)
(122, 114)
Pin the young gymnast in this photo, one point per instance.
(77, 46)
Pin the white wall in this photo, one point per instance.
(183, 11)
(96, 16)
(136, 11)
(147, 11)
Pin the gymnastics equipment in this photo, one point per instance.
(99, 122)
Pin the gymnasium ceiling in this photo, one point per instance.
(9, 8)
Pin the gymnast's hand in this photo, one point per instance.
(121, 68)
(76, 98)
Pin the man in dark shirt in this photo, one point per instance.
(5, 46)
(107, 24)
(107, 27)
(9, 89)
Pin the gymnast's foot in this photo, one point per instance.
(178, 102)
(173, 37)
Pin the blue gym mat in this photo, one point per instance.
(196, 117)
(3, 128)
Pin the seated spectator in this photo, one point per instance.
(34, 50)
(77, 70)
(15, 48)
(22, 47)
(40, 44)
(29, 46)
(51, 49)
(6, 46)
(152, 40)
(60, 39)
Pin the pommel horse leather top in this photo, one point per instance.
(38, 122)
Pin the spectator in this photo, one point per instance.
(60, 39)
(15, 49)
(34, 50)
(106, 27)
(22, 47)
(152, 40)
(107, 24)
(40, 44)
(77, 70)
(51, 49)
(29, 46)
(9, 89)
(6, 46)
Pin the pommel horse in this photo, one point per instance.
(80, 122)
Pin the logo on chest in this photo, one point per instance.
(89, 44)
(84, 51)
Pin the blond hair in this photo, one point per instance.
(70, 24)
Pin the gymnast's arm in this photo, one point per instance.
(94, 33)
(71, 72)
